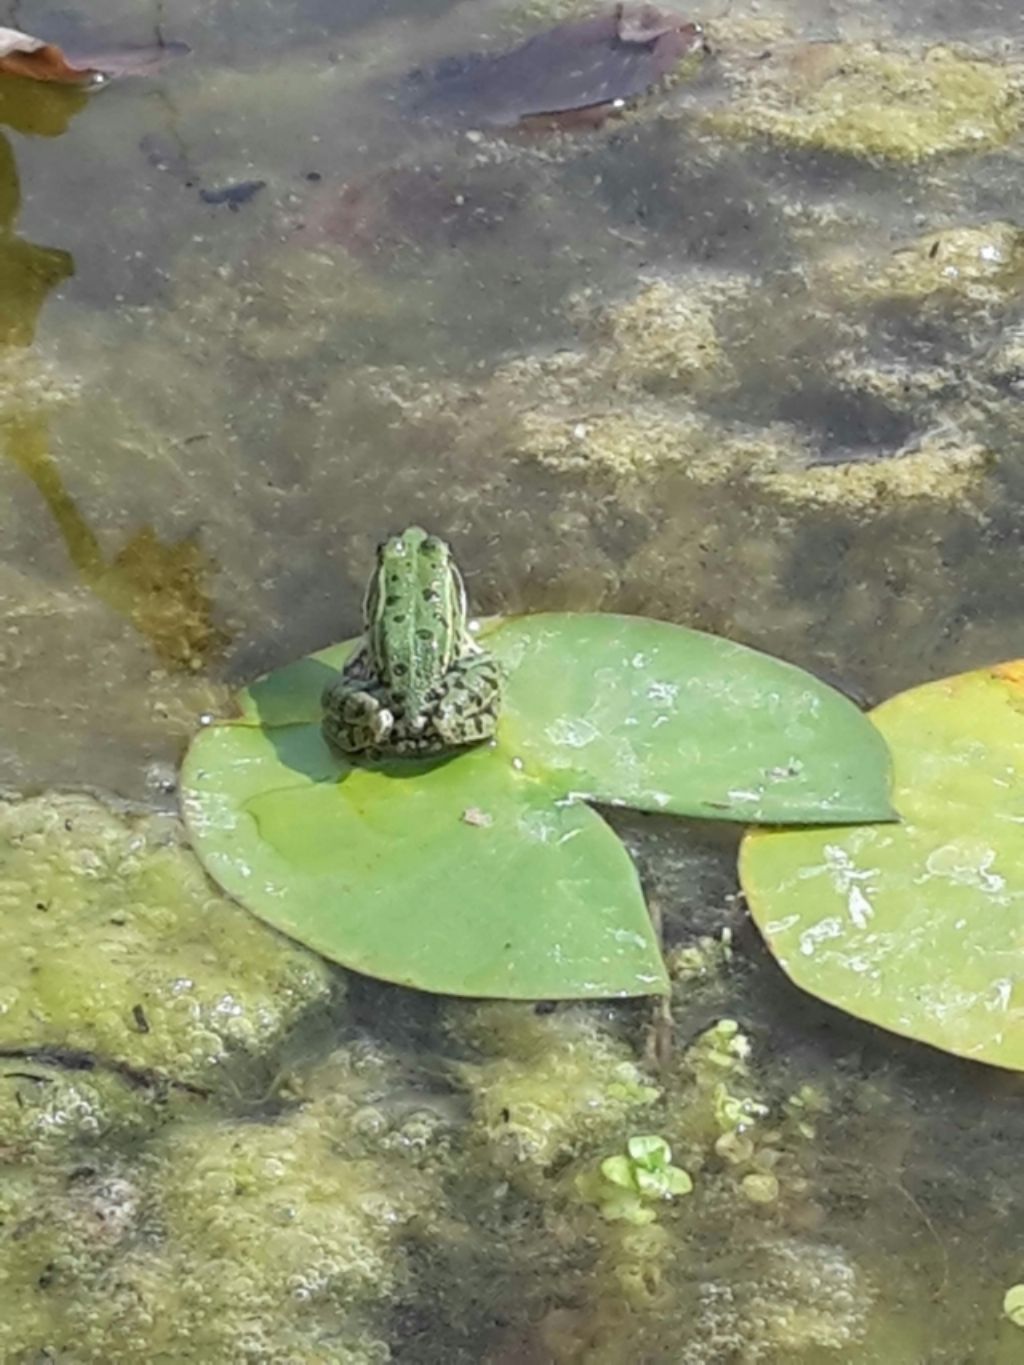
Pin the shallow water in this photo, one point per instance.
(209, 414)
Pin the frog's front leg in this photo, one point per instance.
(357, 717)
(468, 709)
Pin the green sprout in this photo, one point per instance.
(1013, 1304)
(629, 1089)
(736, 1113)
(628, 1184)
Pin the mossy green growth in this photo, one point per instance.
(554, 1086)
(279, 1225)
(982, 263)
(861, 101)
(626, 1186)
(665, 338)
(49, 1114)
(116, 948)
(232, 1241)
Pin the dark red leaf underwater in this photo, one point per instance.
(590, 64)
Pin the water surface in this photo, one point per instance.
(211, 411)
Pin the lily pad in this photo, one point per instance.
(487, 874)
(917, 927)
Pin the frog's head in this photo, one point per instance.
(415, 590)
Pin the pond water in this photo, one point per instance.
(749, 358)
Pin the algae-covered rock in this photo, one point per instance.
(620, 443)
(946, 467)
(118, 952)
(665, 337)
(860, 100)
(981, 263)
(281, 1240)
(552, 1084)
(51, 1114)
(233, 1241)
(790, 1296)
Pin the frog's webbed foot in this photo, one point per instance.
(356, 720)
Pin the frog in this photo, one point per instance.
(417, 684)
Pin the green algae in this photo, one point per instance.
(361, 1201)
(231, 1242)
(665, 339)
(285, 1236)
(947, 468)
(279, 1239)
(51, 1115)
(119, 950)
(553, 1085)
(638, 1288)
(864, 101)
(982, 263)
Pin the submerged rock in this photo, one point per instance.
(861, 100)
(120, 959)
(794, 1295)
(553, 1085)
(981, 263)
(226, 1241)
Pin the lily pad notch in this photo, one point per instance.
(489, 874)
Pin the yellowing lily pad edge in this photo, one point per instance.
(917, 927)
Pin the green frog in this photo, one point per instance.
(417, 684)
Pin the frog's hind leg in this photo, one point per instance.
(356, 720)
(468, 710)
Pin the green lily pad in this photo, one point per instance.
(917, 927)
(487, 874)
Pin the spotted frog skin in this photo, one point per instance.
(418, 684)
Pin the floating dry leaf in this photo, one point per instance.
(23, 55)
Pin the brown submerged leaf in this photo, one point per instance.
(586, 67)
(413, 207)
(23, 55)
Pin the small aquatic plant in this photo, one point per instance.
(627, 1185)
(1013, 1304)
